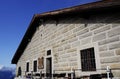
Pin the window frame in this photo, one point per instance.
(88, 60)
(35, 66)
(97, 56)
(27, 67)
(48, 52)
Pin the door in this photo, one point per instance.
(49, 67)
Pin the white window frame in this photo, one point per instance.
(97, 58)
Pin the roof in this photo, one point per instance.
(90, 8)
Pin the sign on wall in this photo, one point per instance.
(40, 63)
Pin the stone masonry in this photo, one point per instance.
(69, 36)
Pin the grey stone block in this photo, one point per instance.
(107, 54)
(114, 46)
(114, 32)
(95, 26)
(102, 29)
(110, 60)
(99, 37)
(103, 48)
(83, 31)
(86, 41)
(78, 27)
(85, 35)
(118, 51)
(106, 41)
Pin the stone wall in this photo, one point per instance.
(69, 36)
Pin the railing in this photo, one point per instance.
(106, 73)
(71, 74)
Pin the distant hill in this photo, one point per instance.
(7, 73)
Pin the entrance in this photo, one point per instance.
(49, 67)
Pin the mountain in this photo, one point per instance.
(7, 73)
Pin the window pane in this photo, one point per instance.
(35, 66)
(27, 67)
(49, 52)
(88, 60)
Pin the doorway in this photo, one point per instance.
(49, 67)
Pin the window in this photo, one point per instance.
(27, 67)
(88, 60)
(19, 71)
(49, 52)
(35, 66)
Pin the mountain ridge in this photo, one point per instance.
(7, 73)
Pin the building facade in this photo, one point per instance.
(79, 39)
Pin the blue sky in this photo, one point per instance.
(15, 16)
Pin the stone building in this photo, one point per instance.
(84, 39)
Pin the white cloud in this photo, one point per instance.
(1, 66)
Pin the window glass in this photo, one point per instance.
(88, 60)
(27, 67)
(35, 66)
(49, 52)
